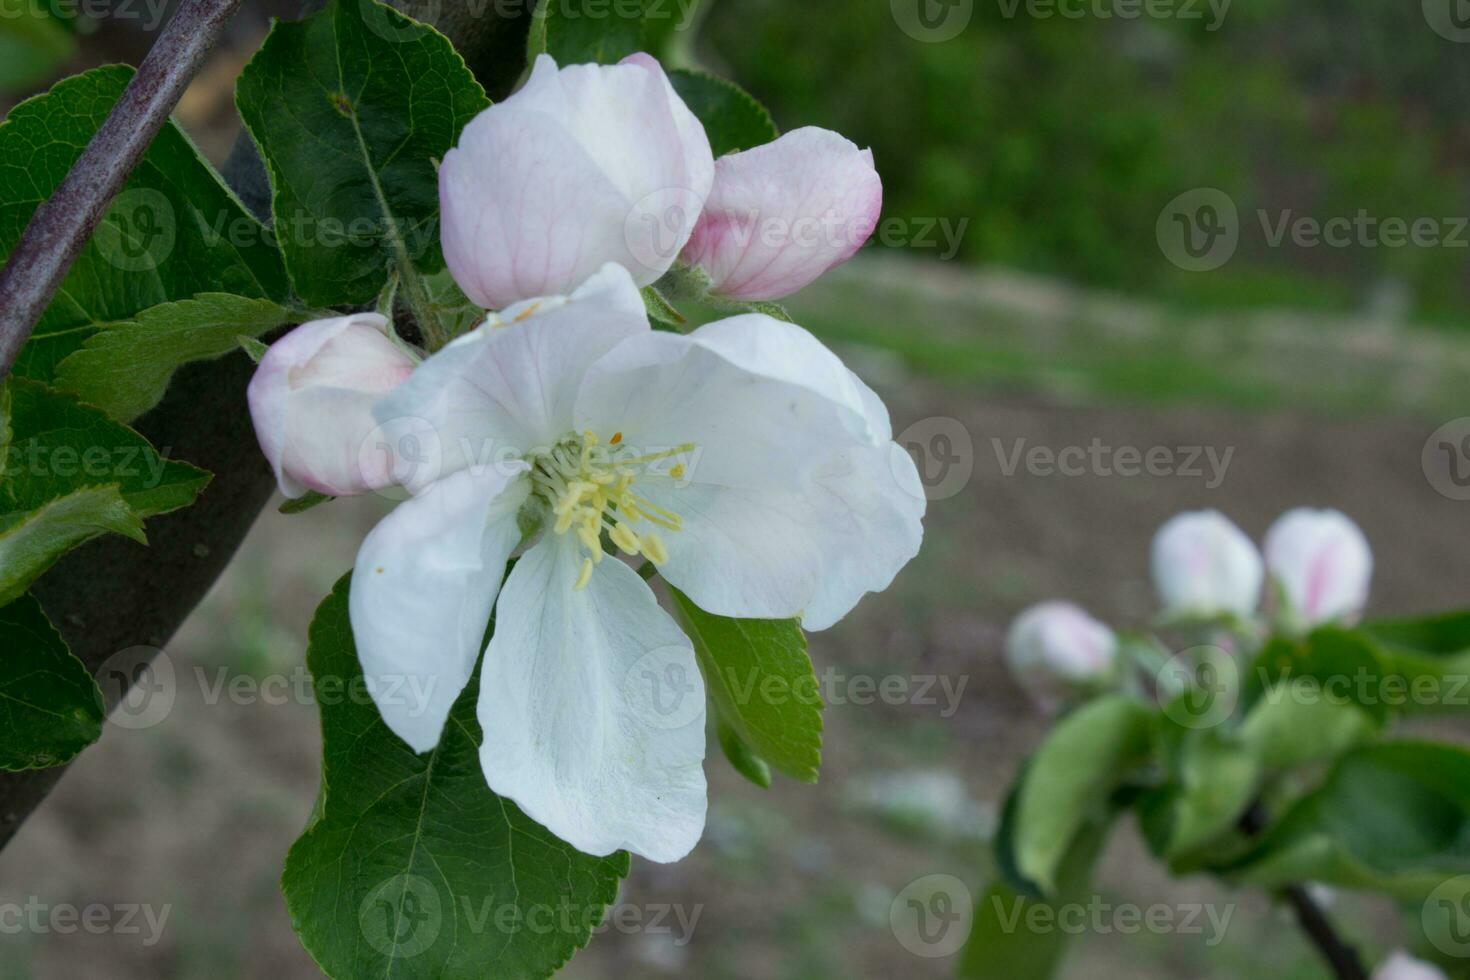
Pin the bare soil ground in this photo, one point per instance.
(197, 812)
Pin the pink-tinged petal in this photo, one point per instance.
(584, 165)
(1055, 650)
(1203, 565)
(312, 397)
(781, 214)
(1321, 564)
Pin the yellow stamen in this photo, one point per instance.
(584, 576)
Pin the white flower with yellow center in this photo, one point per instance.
(744, 461)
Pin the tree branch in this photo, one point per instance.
(63, 223)
(112, 594)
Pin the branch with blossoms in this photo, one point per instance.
(482, 315)
(1250, 732)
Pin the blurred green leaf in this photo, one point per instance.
(413, 867)
(1392, 817)
(1430, 655)
(1213, 780)
(69, 473)
(33, 44)
(351, 109)
(762, 684)
(741, 756)
(1072, 776)
(596, 31)
(1297, 722)
(1004, 944)
(50, 707)
(732, 118)
(172, 232)
(1342, 663)
(125, 368)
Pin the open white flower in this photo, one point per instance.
(744, 460)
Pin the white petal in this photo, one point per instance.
(422, 590)
(1322, 563)
(797, 501)
(593, 708)
(584, 165)
(1203, 565)
(781, 214)
(502, 391)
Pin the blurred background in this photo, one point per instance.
(1236, 232)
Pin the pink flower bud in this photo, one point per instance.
(585, 165)
(1203, 565)
(782, 214)
(312, 397)
(1320, 563)
(1401, 966)
(1055, 649)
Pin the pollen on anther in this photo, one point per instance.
(617, 437)
(585, 575)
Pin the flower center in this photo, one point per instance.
(588, 487)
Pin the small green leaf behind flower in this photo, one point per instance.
(50, 707)
(767, 702)
(412, 867)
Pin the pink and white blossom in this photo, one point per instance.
(1320, 564)
(1056, 650)
(1205, 566)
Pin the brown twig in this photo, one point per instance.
(1340, 955)
(64, 222)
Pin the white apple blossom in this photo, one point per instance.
(1203, 565)
(1055, 649)
(312, 397)
(1401, 966)
(1320, 564)
(781, 214)
(753, 469)
(583, 165)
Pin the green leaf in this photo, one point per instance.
(602, 32)
(742, 757)
(174, 230)
(661, 312)
(303, 503)
(1213, 780)
(1297, 722)
(762, 684)
(351, 109)
(1017, 936)
(1342, 663)
(1392, 817)
(1428, 656)
(732, 118)
(1070, 779)
(413, 867)
(450, 306)
(50, 707)
(33, 44)
(69, 473)
(125, 368)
